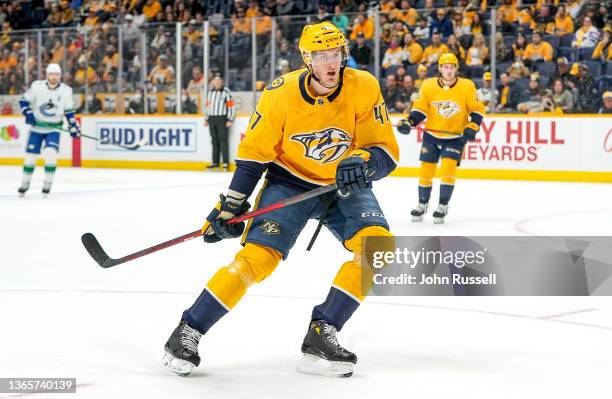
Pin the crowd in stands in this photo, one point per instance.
(551, 55)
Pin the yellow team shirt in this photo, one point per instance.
(410, 17)
(448, 108)
(543, 50)
(432, 54)
(598, 52)
(415, 52)
(367, 28)
(308, 135)
(151, 11)
(564, 26)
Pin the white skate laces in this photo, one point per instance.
(190, 338)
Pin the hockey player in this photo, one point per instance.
(316, 126)
(44, 106)
(454, 114)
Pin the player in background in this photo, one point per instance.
(453, 112)
(44, 106)
(320, 125)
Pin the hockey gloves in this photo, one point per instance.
(29, 115)
(353, 173)
(469, 133)
(75, 132)
(73, 126)
(406, 125)
(216, 227)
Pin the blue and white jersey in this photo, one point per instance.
(49, 105)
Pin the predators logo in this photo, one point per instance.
(446, 109)
(326, 145)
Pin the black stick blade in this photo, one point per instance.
(96, 251)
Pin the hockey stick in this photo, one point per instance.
(435, 131)
(127, 147)
(92, 245)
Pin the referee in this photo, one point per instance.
(220, 115)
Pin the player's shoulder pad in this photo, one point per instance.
(66, 88)
(361, 78)
(285, 81)
(39, 83)
(429, 83)
(467, 83)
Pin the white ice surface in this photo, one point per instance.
(63, 316)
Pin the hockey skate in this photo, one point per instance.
(225, 167)
(212, 167)
(440, 213)
(23, 189)
(418, 212)
(181, 350)
(46, 189)
(323, 355)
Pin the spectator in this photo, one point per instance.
(422, 30)
(364, 25)
(240, 23)
(405, 13)
(395, 55)
(136, 104)
(538, 50)
(509, 94)
(252, 9)
(392, 94)
(602, 15)
(454, 47)
(421, 76)
(502, 53)
(67, 14)
(284, 7)
(517, 70)
(193, 33)
(602, 50)
(479, 26)
(349, 6)
(503, 26)
(587, 35)
(399, 74)
(509, 11)
(340, 20)
(486, 93)
(519, 46)
(151, 9)
(54, 18)
(385, 36)
(564, 25)
(398, 31)
(561, 99)
(525, 19)
(433, 52)
(85, 74)
(583, 90)
(111, 59)
(544, 20)
(410, 91)
(607, 103)
(322, 14)
(361, 52)
(162, 74)
(160, 40)
(563, 69)
(531, 100)
(459, 29)
(91, 105)
(414, 51)
(441, 24)
(478, 53)
(263, 23)
(196, 84)
(131, 32)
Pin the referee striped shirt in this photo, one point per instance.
(220, 103)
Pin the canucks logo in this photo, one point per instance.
(446, 109)
(48, 109)
(326, 145)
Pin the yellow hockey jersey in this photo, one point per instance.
(308, 135)
(448, 108)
